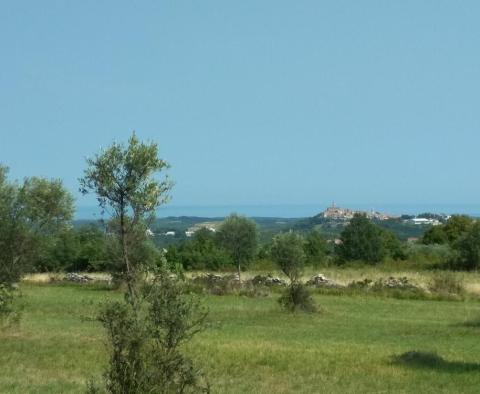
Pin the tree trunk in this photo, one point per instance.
(239, 272)
(130, 275)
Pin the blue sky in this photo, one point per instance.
(252, 102)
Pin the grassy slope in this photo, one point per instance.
(252, 347)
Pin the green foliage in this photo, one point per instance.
(30, 214)
(450, 232)
(467, 249)
(315, 247)
(297, 298)
(456, 227)
(7, 305)
(123, 178)
(238, 236)
(125, 335)
(362, 240)
(145, 346)
(394, 247)
(421, 256)
(288, 253)
(74, 249)
(200, 252)
(435, 235)
(146, 331)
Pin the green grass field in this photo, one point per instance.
(252, 346)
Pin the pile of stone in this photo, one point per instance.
(77, 278)
(395, 283)
(320, 280)
(268, 280)
(215, 279)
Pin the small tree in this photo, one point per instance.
(30, 213)
(145, 331)
(145, 354)
(467, 249)
(362, 240)
(238, 235)
(288, 253)
(450, 232)
(123, 178)
(316, 247)
(199, 252)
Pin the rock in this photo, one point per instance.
(397, 283)
(214, 279)
(77, 278)
(268, 280)
(320, 280)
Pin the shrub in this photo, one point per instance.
(296, 297)
(446, 283)
(218, 284)
(9, 308)
(467, 249)
(200, 252)
(316, 248)
(362, 240)
(145, 344)
(287, 252)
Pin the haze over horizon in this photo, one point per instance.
(253, 103)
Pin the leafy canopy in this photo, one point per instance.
(362, 240)
(238, 236)
(30, 213)
(288, 253)
(123, 178)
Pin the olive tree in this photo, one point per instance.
(124, 179)
(145, 331)
(288, 253)
(238, 236)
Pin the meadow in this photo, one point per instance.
(356, 344)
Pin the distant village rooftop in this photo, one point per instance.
(337, 213)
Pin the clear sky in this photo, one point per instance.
(251, 101)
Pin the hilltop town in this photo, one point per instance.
(337, 213)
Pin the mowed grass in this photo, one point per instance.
(251, 346)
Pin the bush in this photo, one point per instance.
(446, 283)
(296, 297)
(199, 253)
(9, 309)
(467, 249)
(287, 252)
(218, 284)
(362, 240)
(316, 248)
(144, 344)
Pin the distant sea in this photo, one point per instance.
(292, 211)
